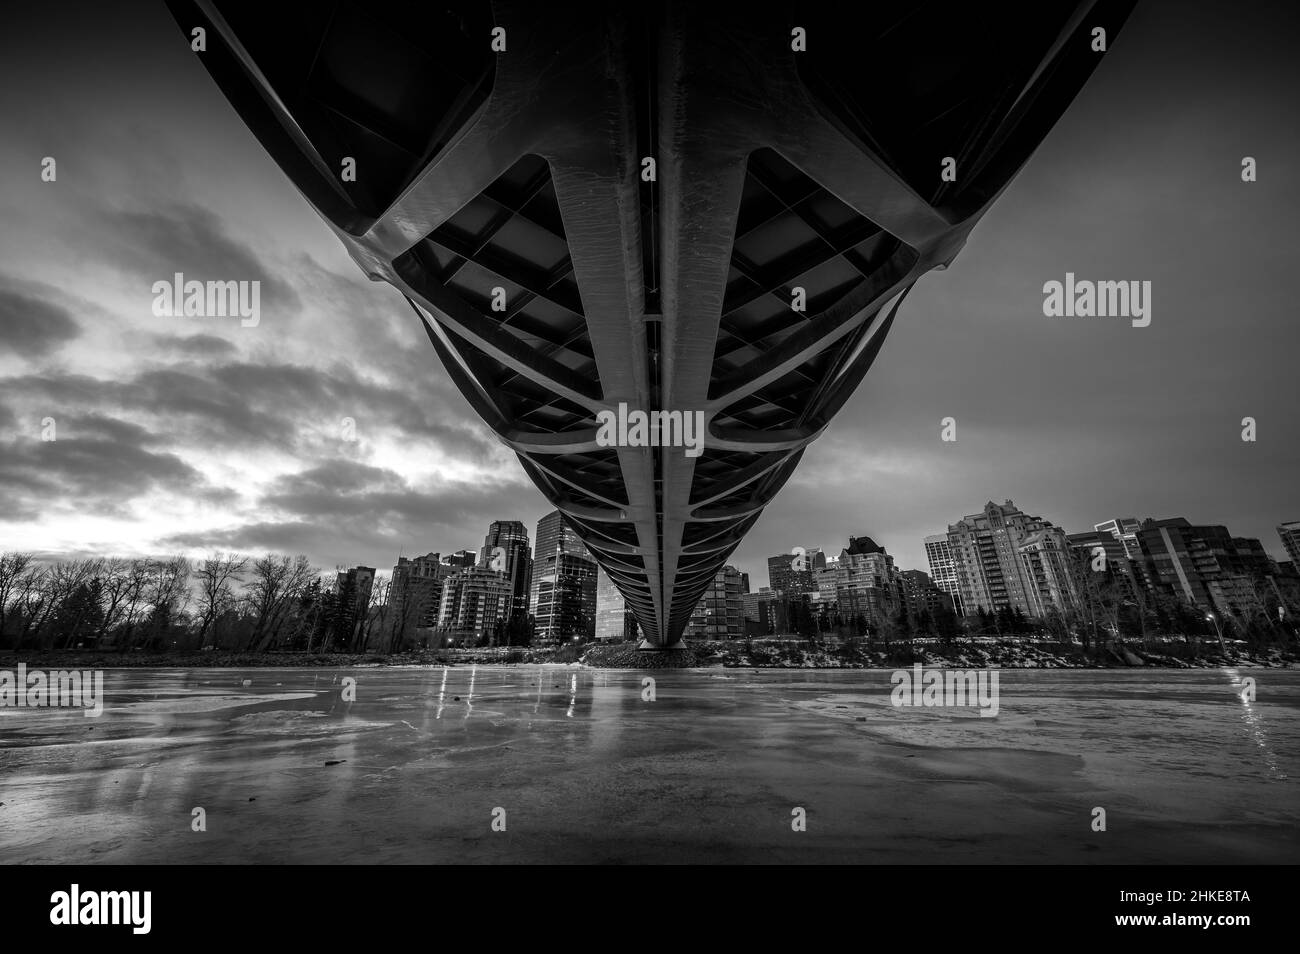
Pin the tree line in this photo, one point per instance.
(1095, 609)
(226, 601)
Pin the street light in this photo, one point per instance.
(1215, 620)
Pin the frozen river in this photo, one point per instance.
(579, 767)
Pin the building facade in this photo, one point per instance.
(462, 559)
(566, 598)
(1206, 567)
(615, 622)
(793, 572)
(475, 606)
(353, 588)
(415, 593)
(866, 582)
(1183, 558)
(922, 597)
(554, 536)
(986, 550)
(1290, 534)
(943, 568)
(1125, 531)
(720, 613)
(1050, 573)
(506, 544)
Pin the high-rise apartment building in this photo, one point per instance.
(943, 568)
(824, 599)
(792, 572)
(553, 536)
(824, 581)
(415, 593)
(766, 611)
(462, 559)
(1290, 534)
(1183, 559)
(1102, 562)
(866, 582)
(920, 594)
(1125, 530)
(986, 550)
(566, 597)
(614, 620)
(720, 612)
(475, 604)
(353, 588)
(1049, 564)
(506, 550)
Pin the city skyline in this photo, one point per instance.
(816, 555)
(195, 434)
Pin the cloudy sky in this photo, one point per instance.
(188, 435)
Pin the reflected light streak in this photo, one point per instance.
(469, 698)
(1255, 726)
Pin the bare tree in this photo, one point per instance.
(277, 581)
(135, 583)
(300, 576)
(167, 593)
(32, 595)
(59, 582)
(1141, 607)
(1259, 609)
(116, 575)
(216, 576)
(312, 604)
(414, 600)
(13, 569)
(375, 610)
(265, 591)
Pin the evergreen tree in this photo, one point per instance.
(80, 614)
(1004, 621)
(946, 624)
(925, 623)
(1020, 622)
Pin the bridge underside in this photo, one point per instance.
(774, 170)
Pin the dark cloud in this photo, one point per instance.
(99, 427)
(96, 474)
(334, 479)
(245, 405)
(195, 346)
(154, 244)
(32, 328)
(341, 514)
(345, 490)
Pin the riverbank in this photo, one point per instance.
(1004, 654)
(93, 659)
(738, 654)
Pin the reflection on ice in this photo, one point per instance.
(707, 770)
(1255, 724)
